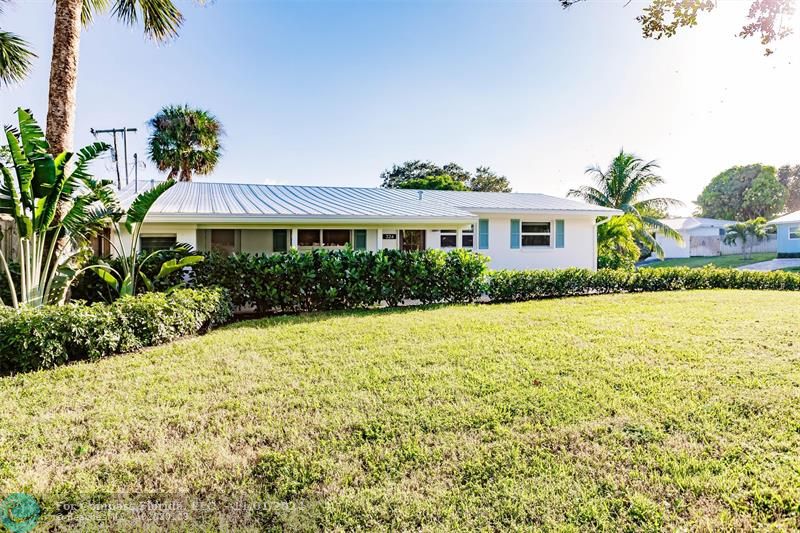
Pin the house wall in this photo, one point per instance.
(579, 239)
(785, 244)
(674, 250)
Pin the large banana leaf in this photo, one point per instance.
(142, 204)
(172, 265)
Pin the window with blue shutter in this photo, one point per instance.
(559, 233)
(514, 233)
(360, 237)
(483, 234)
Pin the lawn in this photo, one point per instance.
(639, 411)
(722, 261)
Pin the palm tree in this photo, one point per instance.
(749, 232)
(161, 20)
(185, 141)
(622, 186)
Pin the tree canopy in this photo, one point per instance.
(622, 186)
(789, 176)
(743, 193)
(185, 141)
(441, 182)
(766, 19)
(484, 179)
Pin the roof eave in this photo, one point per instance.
(179, 218)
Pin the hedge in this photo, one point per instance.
(48, 336)
(517, 286)
(343, 279)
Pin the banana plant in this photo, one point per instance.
(56, 206)
(124, 279)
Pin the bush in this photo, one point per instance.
(517, 286)
(343, 279)
(48, 336)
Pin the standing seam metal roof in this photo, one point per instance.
(242, 200)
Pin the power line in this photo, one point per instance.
(124, 131)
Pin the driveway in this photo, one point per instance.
(774, 264)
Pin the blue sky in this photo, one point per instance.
(331, 93)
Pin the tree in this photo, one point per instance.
(441, 182)
(40, 187)
(743, 193)
(484, 179)
(749, 232)
(161, 21)
(487, 180)
(789, 177)
(616, 245)
(124, 280)
(185, 141)
(663, 18)
(621, 186)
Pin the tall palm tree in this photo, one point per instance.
(185, 141)
(15, 56)
(622, 186)
(161, 21)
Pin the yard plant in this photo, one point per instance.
(630, 412)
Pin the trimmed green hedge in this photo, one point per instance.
(517, 286)
(48, 336)
(343, 279)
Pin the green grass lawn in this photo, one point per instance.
(722, 261)
(640, 411)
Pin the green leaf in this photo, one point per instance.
(172, 265)
(142, 204)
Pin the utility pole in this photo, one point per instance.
(124, 131)
(136, 173)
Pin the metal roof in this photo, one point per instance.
(789, 218)
(688, 223)
(204, 200)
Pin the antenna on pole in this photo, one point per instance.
(113, 131)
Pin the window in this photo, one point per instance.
(794, 232)
(151, 243)
(309, 237)
(447, 238)
(468, 237)
(223, 241)
(335, 237)
(280, 240)
(535, 234)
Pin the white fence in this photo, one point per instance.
(770, 244)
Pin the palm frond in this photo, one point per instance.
(16, 58)
(33, 139)
(656, 225)
(160, 18)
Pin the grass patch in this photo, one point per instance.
(639, 411)
(721, 261)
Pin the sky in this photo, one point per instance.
(334, 92)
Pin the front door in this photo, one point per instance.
(412, 239)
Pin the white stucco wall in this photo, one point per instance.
(579, 240)
(578, 251)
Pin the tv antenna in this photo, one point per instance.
(124, 132)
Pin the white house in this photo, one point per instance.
(703, 237)
(516, 230)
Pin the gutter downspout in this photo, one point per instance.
(594, 242)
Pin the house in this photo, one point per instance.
(703, 237)
(516, 230)
(788, 234)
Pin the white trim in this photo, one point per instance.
(549, 234)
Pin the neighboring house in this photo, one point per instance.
(703, 237)
(516, 230)
(788, 231)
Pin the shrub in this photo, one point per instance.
(343, 279)
(516, 286)
(33, 338)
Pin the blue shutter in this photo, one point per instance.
(483, 234)
(514, 233)
(361, 239)
(559, 233)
